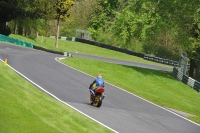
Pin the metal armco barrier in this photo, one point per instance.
(99, 44)
(161, 60)
(15, 41)
(187, 80)
(64, 38)
(47, 50)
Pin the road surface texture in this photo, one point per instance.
(121, 111)
(128, 63)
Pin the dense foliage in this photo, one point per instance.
(18, 10)
(163, 28)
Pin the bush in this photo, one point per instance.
(5, 31)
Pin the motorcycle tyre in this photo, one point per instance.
(99, 101)
(91, 102)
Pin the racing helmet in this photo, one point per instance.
(99, 76)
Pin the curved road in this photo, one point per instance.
(121, 111)
(128, 63)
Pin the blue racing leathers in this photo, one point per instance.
(98, 82)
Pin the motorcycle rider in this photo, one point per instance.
(95, 84)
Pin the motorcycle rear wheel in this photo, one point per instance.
(99, 101)
(91, 102)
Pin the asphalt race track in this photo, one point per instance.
(121, 111)
(128, 63)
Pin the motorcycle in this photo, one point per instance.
(99, 96)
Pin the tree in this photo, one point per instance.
(102, 16)
(62, 8)
(68, 28)
(8, 10)
(166, 28)
(159, 24)
(28, 10)
(81, 13)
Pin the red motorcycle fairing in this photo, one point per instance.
(99, 90)
(98, 97)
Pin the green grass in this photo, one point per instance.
(26, 109)
(157, 86)
(69, 46)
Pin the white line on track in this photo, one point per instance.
(57, 59)
(58, 98)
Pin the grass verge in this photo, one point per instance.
(69, 46)
(26, 109)
(156, 86)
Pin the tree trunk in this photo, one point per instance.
(37, 34)
(57, 32)
(197, 74)
(15, 27)
(20, 29)
(3, 29)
